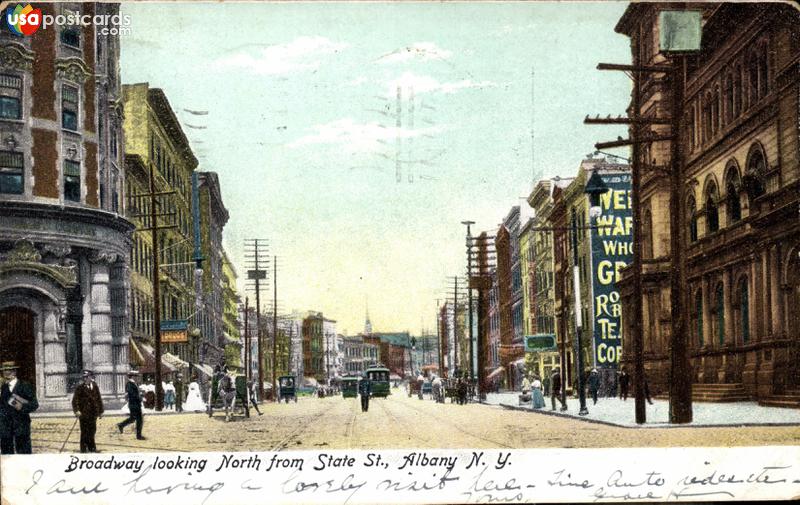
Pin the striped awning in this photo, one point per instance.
(496, 373)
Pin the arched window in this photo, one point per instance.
(716, 102)
(691, 214)
(647, 234)
(698, 315)
(737, 91)
(719, 305)
(732, 203)
(707, 117)
(712, 212)
(744, 310)
(755, 173)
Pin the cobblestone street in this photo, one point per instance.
(397, 422)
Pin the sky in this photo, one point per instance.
(304, 129)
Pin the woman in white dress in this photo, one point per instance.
(194, 401)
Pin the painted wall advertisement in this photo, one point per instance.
(612, 250)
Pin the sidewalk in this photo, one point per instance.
(616, 412)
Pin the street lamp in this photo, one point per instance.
(594, 188)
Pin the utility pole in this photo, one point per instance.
(455, 321)
(439, 360)
(154, 228)
(247, 373)
(274, 326)
(469, 294)
(256, 249)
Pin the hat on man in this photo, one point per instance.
(8, 365)
(88, 373)
(132, 372)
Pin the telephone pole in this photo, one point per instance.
(274, 326)
(469, 294)
(154, 228)
(255, 251)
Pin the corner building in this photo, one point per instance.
(64, 243)
(740, 195)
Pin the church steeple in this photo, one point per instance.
(367, 324)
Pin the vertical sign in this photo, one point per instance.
(612, 250)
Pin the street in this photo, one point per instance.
(398, 422)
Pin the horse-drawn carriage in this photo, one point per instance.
(287, 388)
(225, 391)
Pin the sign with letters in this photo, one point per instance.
(540, 342)
(612, 250)
(174, 331)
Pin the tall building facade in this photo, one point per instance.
(64, 241)
(740, 174)
(157, 148)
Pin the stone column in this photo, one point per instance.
(727, 297)
(53, 361)
(101, 355)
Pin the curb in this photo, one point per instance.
(651, 426)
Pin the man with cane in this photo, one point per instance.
(88, 407)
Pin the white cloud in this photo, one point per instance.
(300, 54)
(427, 84)
(359, 137)
(424, 51)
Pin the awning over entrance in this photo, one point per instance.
(496, 373)
(204, 369)
(149, 365)
(175, 361)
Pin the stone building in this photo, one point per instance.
(231, 322)
(156, 146)
(313, 355)
(740, 191)
(64, 241)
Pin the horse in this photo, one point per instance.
(226, 390)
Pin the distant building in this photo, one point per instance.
(313, 350)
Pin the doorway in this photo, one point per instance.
(18, 342)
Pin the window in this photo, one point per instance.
(712, 212)
(744, 309)
(763, 78)
(10, 97)
(69, 107)
(72, 181)
(71, 37)
(720, 306)
(752, 73)
(754, 176)
(732, 203)
(737, 91)
(114, 192)
(729, 110)
(691, 212)
(11, 169)
(698, 308)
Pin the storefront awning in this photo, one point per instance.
(149, 365)
(204, 369)
(496, 373)
(174, 361)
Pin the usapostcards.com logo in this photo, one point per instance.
(25, 21)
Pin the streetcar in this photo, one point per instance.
(379, 377)
(349, 387)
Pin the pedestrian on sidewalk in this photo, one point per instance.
(624, 382)
(420, 383)
(537, 396)
(134, 406)
(555, 392)
(88, 408)
(647, 391)
(169, 395)
(252, 388)
(17, 401)
(594, 384)
(179, 393)
(365, 390)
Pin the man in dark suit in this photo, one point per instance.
(88, 407)
(365, 389)
(17, 401)
(555, 391)
(179, 393)
(134, 405)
